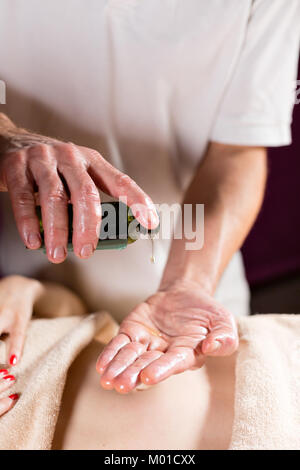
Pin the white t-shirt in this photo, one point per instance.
(148, 83)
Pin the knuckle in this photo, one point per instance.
(40, 147)
(70, 152)
(39, 150)
(123, 181)
(13, 163)
(24, 198)
(18, 333)
(56, 194)
(88, 190)
(41, 159)
(19, 158)
(95, 156)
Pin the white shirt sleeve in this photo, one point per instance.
(257, 105)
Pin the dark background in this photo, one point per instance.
(272, 250)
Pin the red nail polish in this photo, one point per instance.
(14, 397)
(9, 377)
(13, 360)
(3, 371)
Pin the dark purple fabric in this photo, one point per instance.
(272, 248)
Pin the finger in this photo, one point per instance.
(220, 343)
(4, 315)
(125, 357)
(6, 382)
(222, 339)
(21, 193)
(129, 379)
(144, 335)
(16, 343)
(7, 403)
(172, 362)
(110, 351)
(54, 203)
(86, 206)
(119, 185)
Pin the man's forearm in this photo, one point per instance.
(230, 183)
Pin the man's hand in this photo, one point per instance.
(171, 332)
(61, 172)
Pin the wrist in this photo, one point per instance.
(187, 283)
(9, 132)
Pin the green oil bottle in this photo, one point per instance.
(117, 227)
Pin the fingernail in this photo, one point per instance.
(214, 346)
(14, 396)
(13, 360)
(86, 251)
(11, 378)
(144, 221)
(145, 380)
(107, 385)
(4, 371)
(153, 219)
(59, 253)
(34, 240)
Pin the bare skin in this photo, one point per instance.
(61, 172)
(19, 297)
(182, 324)
(193, 410)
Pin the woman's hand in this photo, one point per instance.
(171, 332)
(6, 381)
(61, 172)
(17, 297)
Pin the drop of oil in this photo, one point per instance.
(152, 258)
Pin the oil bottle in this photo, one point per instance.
(115, 229)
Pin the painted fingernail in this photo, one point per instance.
(13, 360)
(14, 396)
(11, 378)
(4, 371)
(86, 251)
(34, 240)
(59, 253)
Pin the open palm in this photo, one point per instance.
(169, 333)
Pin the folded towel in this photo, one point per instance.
(267, 390)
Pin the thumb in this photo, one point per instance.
(220, 342)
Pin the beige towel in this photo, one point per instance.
(267, 405)
(267, 390)
(51, 347)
